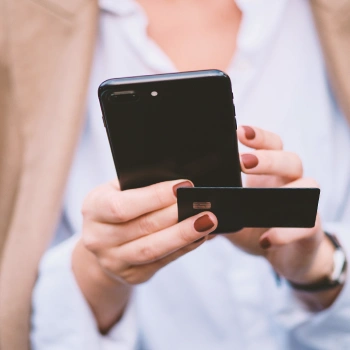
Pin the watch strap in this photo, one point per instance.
(338, 275)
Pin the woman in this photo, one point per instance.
(223, 292)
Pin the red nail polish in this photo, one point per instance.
(182, 184)
(249, 132)
(203, 224)
(250, 161)
(265, 243)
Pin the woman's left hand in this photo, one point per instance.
(301, 255)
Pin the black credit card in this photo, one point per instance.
(238, 207)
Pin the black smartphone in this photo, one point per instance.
(172, 126)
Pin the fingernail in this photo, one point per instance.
(265, 243)
(250, 161)
(203, 224)
(249, 132)
(182, 184)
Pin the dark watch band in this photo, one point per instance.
(315, 287)
(326, 283)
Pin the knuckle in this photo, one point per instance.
(147, 224)
(147, 253)
(89, 203)
(133, 276)
(268, 160)
(186, 234)
(280, 242)
(107, 264)
(131, 280)
(118, 209)
(111, 262)
(127, 275)
(87, 207)
(270, 140)
(298, 165)
(159, 194)
(91, 242)
(277, 238)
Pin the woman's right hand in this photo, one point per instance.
(127, 237)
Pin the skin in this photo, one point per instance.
(129, 235)
(195, 34)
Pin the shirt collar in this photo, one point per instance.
(119, 7)
(260, 20)
(261, 9)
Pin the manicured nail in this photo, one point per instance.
(203, 224)
(250, 161)
(182, 184)
(249, 132)
(265, 243)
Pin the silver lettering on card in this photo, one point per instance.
(201, 205)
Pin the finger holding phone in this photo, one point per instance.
(127, 237)
(158, 128)
(301, 255)
(181, 126)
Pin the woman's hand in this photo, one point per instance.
(127, 237)
(301, 255)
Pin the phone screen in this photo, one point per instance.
(174, 126)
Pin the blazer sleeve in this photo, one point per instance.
(10, 147)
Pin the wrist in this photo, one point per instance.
(106, 296)
(321, 266)
(321, 292)
(85, 263)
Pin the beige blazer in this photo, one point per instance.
(46, 50)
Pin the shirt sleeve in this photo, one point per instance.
(62, 318)
(328, 329)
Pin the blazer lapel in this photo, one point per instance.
(50, 65)
(51, 50)
(333, 22)
(63, 8)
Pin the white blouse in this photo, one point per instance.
(216, 297)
